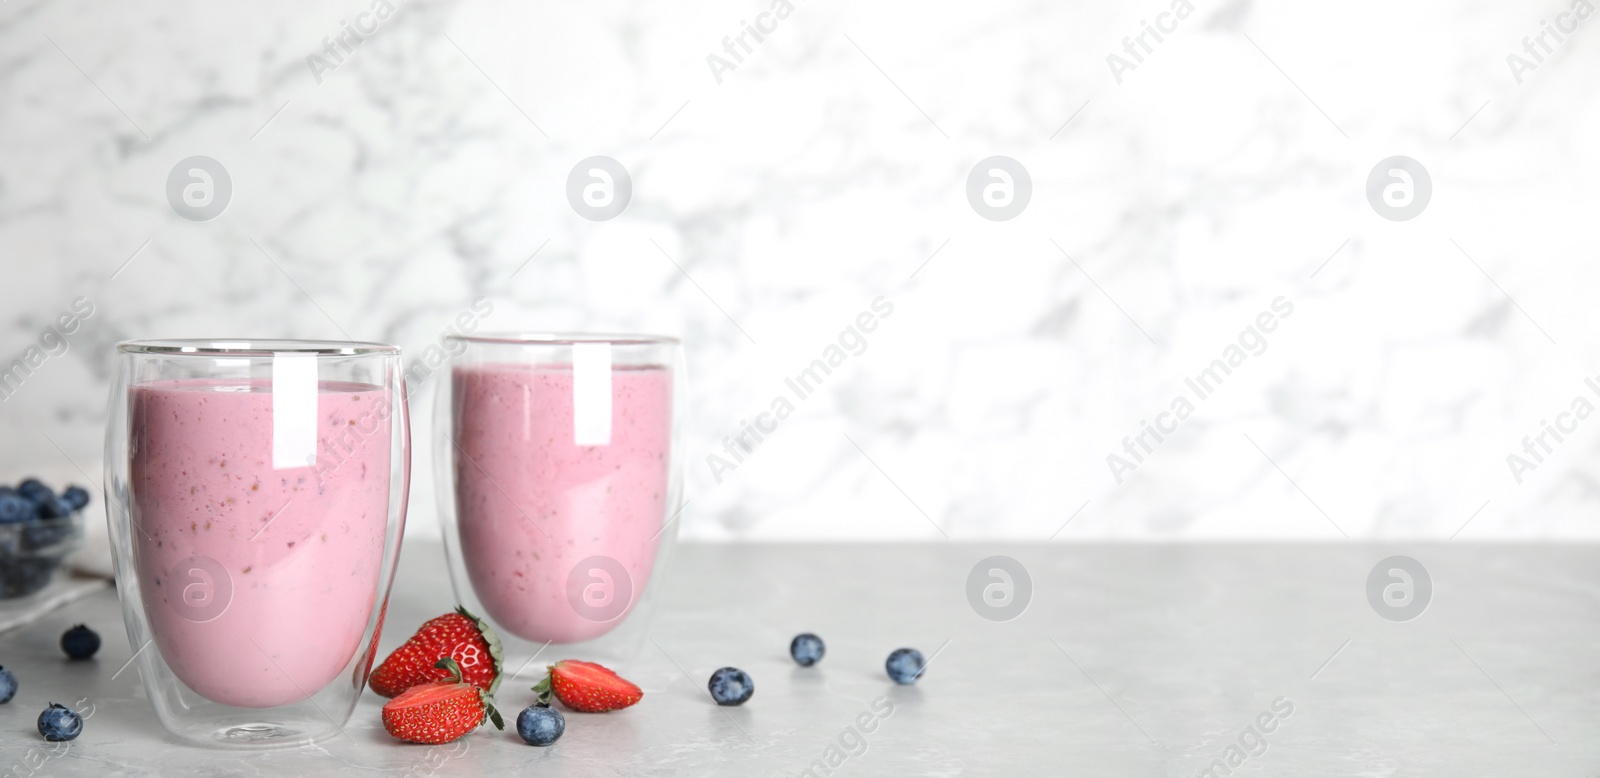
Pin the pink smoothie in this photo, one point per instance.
(258, 582)
(533, 503)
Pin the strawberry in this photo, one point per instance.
(587, 687)
(461, 636)
(441, 711)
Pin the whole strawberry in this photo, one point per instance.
(441, 711)
(587, 687)
(461, 636)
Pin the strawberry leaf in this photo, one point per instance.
(542, 688)
(449, 663)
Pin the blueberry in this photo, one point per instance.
(14, 508)
(80, 642)
(8, 685)
(905, 665)
(58, 722)
(731, 686)
(36, 492)
(807, 649)
(76, 496)
(43, 535)
(55, 508)
(540, 726)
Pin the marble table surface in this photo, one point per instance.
(1125, 660)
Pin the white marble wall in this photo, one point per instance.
(823, 172)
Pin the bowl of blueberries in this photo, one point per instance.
(38, 529)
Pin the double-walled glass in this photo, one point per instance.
(256, 495)
(558, 468)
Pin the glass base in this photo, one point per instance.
(256, 734)
(261, 735)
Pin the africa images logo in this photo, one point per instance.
(1536, 48)
(1136, 47)
(1202, 385)
(1537, 447)
(852, 342)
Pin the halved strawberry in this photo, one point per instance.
(441, 711)
(587, 687)
(461, 636)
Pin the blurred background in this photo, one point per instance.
(1172, 175)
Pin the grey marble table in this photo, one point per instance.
(1129, 661)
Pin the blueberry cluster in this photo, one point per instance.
(56, 723)
(32, 500)
(33, 520)
(732, 686)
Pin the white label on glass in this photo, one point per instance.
(591, 394)
(294, 410)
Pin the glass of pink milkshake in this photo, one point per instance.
(556, 460)
(256, 495)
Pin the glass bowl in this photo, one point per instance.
(32, 550)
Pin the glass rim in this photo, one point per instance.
(567, 338)
(253, 347)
